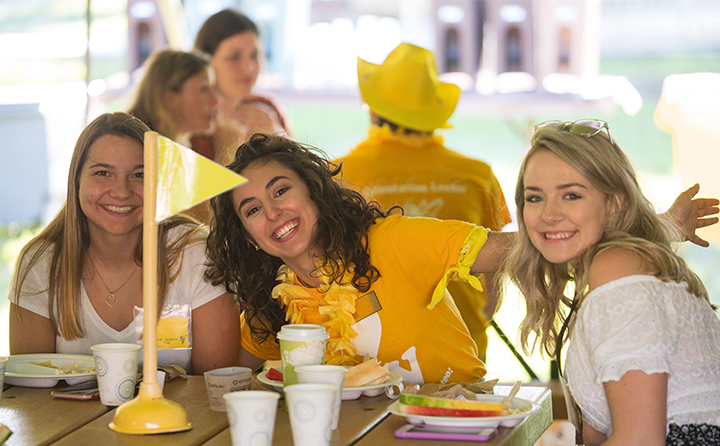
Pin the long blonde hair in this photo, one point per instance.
(165, 71)
(633, 224)
(68, 238)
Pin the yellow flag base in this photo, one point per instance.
(150, 413)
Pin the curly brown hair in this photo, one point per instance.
(345, 217)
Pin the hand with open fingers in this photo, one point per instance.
(691, 214)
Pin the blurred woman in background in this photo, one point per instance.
(175, 97)
(233, 42)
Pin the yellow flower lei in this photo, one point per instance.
(338, 302)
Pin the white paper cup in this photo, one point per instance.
(310, 407)
(325, 374)
(300, 344)
(3, 360)
(251, 416)
(116, 366)
(221, 381)
(160, 376)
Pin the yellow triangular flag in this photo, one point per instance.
(186, 178)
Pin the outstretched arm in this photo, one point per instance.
(688, 214)
(493, 253)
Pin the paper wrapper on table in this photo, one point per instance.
(226, 380)
(479, 387)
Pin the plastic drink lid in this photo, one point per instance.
(293, 332)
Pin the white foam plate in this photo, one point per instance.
(510, 420)
(20, 370)
(349, 393)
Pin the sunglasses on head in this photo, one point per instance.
(583, 127)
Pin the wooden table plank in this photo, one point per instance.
(36, 418)
(524, 434)
(357, 417)
(190, 393)
(532, 427)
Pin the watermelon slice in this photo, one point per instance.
(447, 403)
(5, 432)
(447, 412)
(274, 375)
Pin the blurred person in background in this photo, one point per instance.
(175, 99)
(232, 40)
(79, 281)
(405, 162)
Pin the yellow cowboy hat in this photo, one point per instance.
(405, 89)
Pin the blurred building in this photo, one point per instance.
(24, 170)
(146, 33)
(513, 45)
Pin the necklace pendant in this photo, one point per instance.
(111, 300)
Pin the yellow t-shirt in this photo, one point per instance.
(418, 173)
(423, 345)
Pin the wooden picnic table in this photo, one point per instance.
(37, 418)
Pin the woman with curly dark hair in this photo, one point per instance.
(295, 246)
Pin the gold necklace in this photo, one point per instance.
(111, 300)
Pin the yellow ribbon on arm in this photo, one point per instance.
(471, 248)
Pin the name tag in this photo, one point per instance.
(366, 305)
(172, 332)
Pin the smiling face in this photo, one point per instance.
(563, 212)
(110, 187)
(194, 106)
(237, 65)
(276, 210)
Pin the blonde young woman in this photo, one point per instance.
(175, 97)
(643, 356)
(79, 282)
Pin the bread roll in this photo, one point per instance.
(368, 373)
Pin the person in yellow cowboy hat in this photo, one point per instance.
(404, 162)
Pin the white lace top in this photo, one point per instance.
(642, 323)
